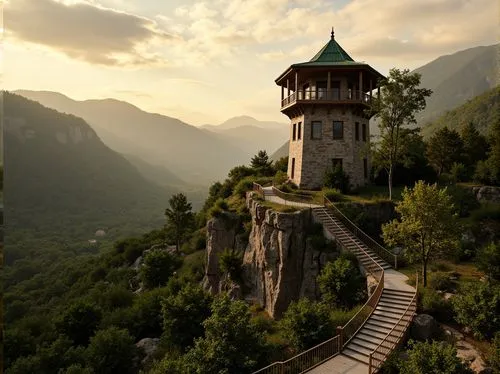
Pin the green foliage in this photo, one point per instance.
(494, 354)
(79, 322)
(338, 179)
(219, 207)
(463, 200)
(227, 330)
(281, 164)
(180, 219)
(158, 267)
(341, 283)
(458, 172)
(444, 149)
(475, 146)
(197, 242)
(333, 195)
(261, 164)
(183, 315)
(435, 357)
(231, 264)
(401, 98)
(427, 227)
(280, 177)
(493, 161)
(112, 351)
(477, 306)
(488, 260)
(433, 303)
(306, 324)
(442, 282)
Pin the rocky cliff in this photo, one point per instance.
(280, 264)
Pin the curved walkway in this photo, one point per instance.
(389, 320)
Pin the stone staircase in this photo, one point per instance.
(365, 255)
(382, 324)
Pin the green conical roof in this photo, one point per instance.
(331, 52)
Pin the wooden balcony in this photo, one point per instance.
(323, 96)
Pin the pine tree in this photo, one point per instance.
(445, 148)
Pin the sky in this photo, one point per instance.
(207, 61)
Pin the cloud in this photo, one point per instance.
(86, 31)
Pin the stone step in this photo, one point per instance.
(390, 307)
(359, 347)
(379, 323)
(390, 313)
(355, 355)
(399, 292)
(365, 343)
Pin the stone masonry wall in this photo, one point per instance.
(313, 157)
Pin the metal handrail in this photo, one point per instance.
(303, 199)
(387, 255)
(392, 344)
(300, 363)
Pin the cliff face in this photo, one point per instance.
(280, 265)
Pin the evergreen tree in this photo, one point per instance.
(180, 218)
(261, 164)
(475, 147)
(445, 148)
(493, 162)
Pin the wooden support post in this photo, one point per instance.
(371, 89)
(296, 83)
(288, 87)
(361, 85)
(282, 93)
(340, 333)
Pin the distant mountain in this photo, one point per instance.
(457, 78)
(195, 155)
(483, 111)
(62, 181)
(240, 121)
(281, 151)
(252, 135)
(155, 173)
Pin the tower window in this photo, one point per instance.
(365, 167)
(363, 131)
(338, 130)
(356, 130)
(294, 131)
(316, 130)
(293, 168)
(299, 131)
(336, 162)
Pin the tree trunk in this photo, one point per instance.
(390, 182)
(424, 273)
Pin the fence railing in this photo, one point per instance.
(393, 337)
(259, 189)
(307, 200)
(384, 253)
(322, 94)
(305, 360)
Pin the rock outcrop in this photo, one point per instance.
(487, 194)
(280, 265)
(221, 234)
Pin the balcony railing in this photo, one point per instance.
(323, 95)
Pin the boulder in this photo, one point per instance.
(487, 194)
(424, 327)
(148, 346)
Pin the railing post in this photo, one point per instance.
(395, 262)
(370, 364)
(340, 333)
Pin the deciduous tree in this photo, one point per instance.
(400, 99)
(445, 148)
(427, 226)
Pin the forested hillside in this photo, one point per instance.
(62, 183)
(483, 111)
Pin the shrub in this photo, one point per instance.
(489, 260)
(197, 242)
(338, 179)
(482, 173)
(339, 317)
(79, 322)
(494, 356)
(279, 178)
(477, 306)
(431, 302)
(230, 263)
(333, 195)
(458, 172)
(341, 283)
(435, 357)
(306, 323)
(158, 266)
(218, 208)
(442, 282)
(463, 199)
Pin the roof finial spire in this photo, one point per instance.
(333, 34)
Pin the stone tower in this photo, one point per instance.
(327, 100)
